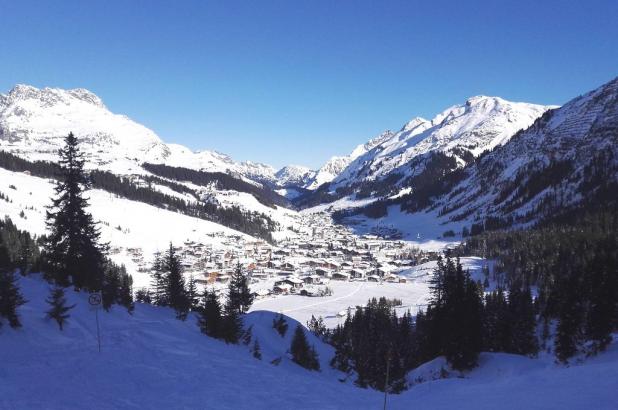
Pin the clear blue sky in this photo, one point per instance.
(298, 81)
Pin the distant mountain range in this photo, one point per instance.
(487, 157)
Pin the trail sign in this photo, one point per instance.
(94, 299)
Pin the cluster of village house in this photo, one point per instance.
(303, 264)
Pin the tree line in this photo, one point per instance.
(249, 222)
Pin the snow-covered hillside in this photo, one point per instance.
(152, 360)
(34, 121)
(481, 123)
(567, 158)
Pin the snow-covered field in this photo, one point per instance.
(151, 360)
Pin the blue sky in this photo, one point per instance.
(299, 81)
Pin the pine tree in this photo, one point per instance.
(158, 282)
(209, 319)
(602, 315)
(303, 354)
(25, 258)
(192, 294)
(111, 286)
(143, 295)
(523, 322)
(72, 251)
(239, 294)
(568, 335)
(59, 310)
(280, 325)
(256, 351)
(231, 323)
(10, 296)
(176, 292)
(317, 326)
(125, 291)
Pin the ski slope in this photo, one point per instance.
(151, 360)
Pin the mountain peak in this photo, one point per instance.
(50, 96)
(413, 123)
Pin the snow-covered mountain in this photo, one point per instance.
(33, 123)
(293, 175)
(464, 131)
(568, 158)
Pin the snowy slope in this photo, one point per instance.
(142, 226)
(151, 360)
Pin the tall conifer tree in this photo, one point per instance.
(73, 251)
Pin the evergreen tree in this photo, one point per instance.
(209, 319)
(59, 310)
(10, 296)
(568, 335)
(111, 286)
(280, 325)
(25, 258)
(231, 328)
(125, 292)
(523, 324)
(256, 351)
(72, 251)
(239, 294)
(317, 326)
(176, 292)
(143, 295)
(192, 294)
(303, 354)
(158, 282)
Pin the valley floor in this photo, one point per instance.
(151, 360)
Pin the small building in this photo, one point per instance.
(341, 276)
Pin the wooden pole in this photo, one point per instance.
(388, 367)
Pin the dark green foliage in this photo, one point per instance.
(117, 287)
(192, 295)
(239, 294)
(176, 291)
(10, 296)
(372, 339)
(125, 294)
(59, 311)
(280, 325)
(209, 319)
(256, 351)
(143, 295)
(456, 315)
(22, 249)
(317, 327)
(231, 325)
(220, 180)
(303, 354)
(73, 254)
(574, 264)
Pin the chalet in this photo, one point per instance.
(341, 276)
(357, 274)
(373, 278)
(261, 293)
(282, 289)
(323, 272)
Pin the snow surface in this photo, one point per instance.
(151, 360)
